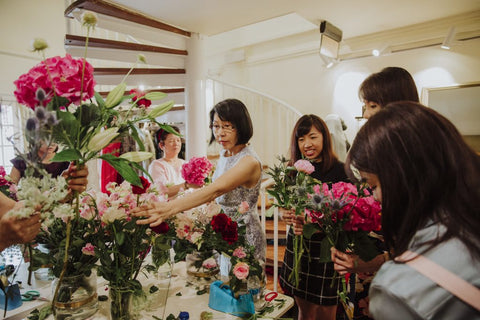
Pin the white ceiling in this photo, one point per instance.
(353, 17)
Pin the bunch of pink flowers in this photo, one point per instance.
(56, 76)
(197, 170)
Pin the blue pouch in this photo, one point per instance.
(222, 299)
(14, 297)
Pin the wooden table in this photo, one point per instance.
(181, 297)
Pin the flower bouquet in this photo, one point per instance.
(121, 244)
(197, 171)
(292, 185)
(345, 213)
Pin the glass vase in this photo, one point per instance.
(76, 297)
(121, 302)
(202, 268)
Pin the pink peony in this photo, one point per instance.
(196, 170)
(241, 270)
(66, 76)
(304, 166)
(88, 249)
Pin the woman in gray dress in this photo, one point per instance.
(237, 175)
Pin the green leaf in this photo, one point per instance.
(364, 246)
(124, 168)
(135, 136)
(325, 255)
(99, 99)
(67, 155)
(309, 229)
(120, 237)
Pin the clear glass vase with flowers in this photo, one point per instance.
(121, 244)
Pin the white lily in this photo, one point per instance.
(102, 139)
(137, 156)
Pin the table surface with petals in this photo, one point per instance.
(181, 297)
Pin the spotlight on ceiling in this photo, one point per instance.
(379, 52)
(448, 41)
(330, 37)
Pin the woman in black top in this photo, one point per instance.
(316, 296)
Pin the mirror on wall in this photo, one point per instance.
(461, 105)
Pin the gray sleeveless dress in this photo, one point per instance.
(230, 201)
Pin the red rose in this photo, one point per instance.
(162, 228)
(230, 233)
(219, 222)
(143, 188)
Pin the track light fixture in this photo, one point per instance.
(448, 41)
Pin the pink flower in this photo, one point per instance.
(243, 208)
(239, 253)
(210, 263)
(64, 75)
(196, 170)
(88, 249)
(304, 166)
(241, 270)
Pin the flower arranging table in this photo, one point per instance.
(180, 298)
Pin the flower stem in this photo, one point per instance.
(65, 261)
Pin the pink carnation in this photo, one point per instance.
(304, 166)
(239, 253)
(89, 249)
(66, 76)
(196, 170)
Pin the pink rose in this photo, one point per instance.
(304, 166)
(210, 263)
(89, 249)
(243, 208)
(239, 253)
(241, 270)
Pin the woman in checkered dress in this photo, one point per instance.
(316, 295)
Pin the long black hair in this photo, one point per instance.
(427, 173)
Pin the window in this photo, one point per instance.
(10, 115)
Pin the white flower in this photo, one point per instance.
(112, 214)
(102, 139)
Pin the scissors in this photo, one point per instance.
(31, 295)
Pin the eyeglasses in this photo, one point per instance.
(225, 127)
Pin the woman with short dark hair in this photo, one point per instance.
(236, 179)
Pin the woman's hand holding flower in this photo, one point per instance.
(155, 213)
(77, 177)
(351, 263)
(299, 221)
(287, 215)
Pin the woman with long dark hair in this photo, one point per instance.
(428, 180)
(316, 295)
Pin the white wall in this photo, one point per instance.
(304, 83)
(20, 22)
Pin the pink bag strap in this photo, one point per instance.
(444, 278)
